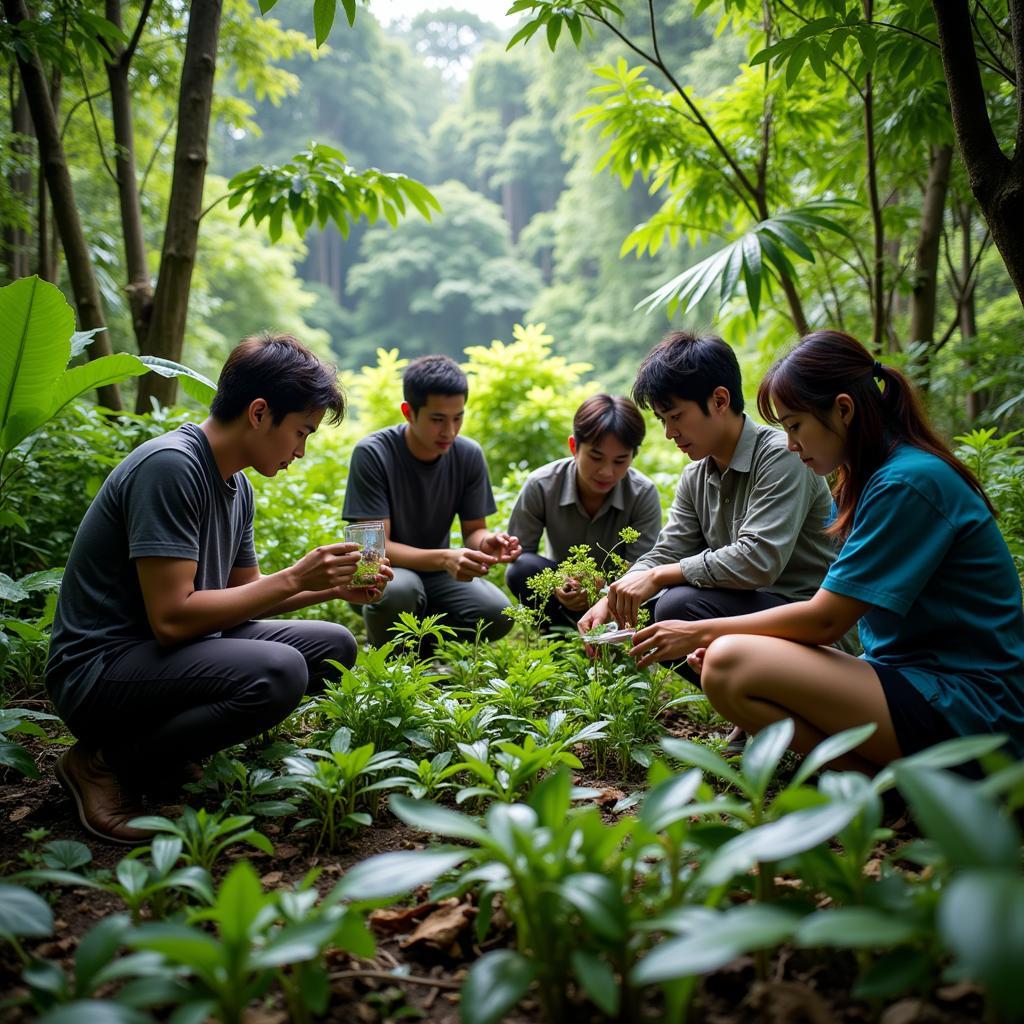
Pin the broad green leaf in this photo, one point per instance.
(96, 373)
(855, 928)
(763, 754)
(36, 324)
(830, 749)
(795, 833)
(900, 970)
(94, 1011)
(239, 900)
(23, 914)
(13, 755)
(195, 385)
(99, 946)
(670, 801)
(598, 980)
(323, 19)
(599, 902)
(947, 754)
(969, 827)
(495, 983)
(391, 874)
(703, 757)
(981, 919)
(180, 944)
(440, 820)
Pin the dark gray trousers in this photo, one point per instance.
(157, 707)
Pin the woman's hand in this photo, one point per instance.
(671, 640)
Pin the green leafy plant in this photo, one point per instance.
(233, 951)
(14, 721)
(338, 784)
(204, 836)
(318, 185)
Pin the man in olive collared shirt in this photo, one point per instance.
(746, 530)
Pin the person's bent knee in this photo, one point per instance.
(280, 684)
(723, 670)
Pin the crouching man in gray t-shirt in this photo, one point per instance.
(417, 477)
(159, 655)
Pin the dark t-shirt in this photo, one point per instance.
(386, 481)
(166, 499)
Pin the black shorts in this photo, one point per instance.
(914, 719)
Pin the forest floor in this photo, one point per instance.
(424, 948)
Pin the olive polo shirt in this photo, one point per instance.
(549, 503)
(759, 524)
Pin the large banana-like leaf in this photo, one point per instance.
(36, 325)
(758, 256)
(94, 374)
(195, 385)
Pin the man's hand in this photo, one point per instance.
(502, 546)
(326, 567)
(671, 640)
(468, 563)
(371, 594)
(597, 616)
(572, 596)
(627, 595)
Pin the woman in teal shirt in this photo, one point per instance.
(923, 570)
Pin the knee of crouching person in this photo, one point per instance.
(719, 676)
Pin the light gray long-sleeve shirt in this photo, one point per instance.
(757, 525)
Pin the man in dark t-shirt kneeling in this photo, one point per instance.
(161, 651)
(417, 477)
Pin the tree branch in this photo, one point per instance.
(660, 65)
(129, 51)
(92, 115)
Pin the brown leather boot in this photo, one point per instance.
(104, 806)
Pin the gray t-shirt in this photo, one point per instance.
(549, 503)
(386, 481)
(166, 499)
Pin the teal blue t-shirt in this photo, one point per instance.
(926, 554)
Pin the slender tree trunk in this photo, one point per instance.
(16, 240)
(58, 180)
(166, 335)
(997, 180)
(877, 224)
(926, 262)
(139, 287)
(975, 402)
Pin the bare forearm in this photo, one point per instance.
(406, 556)
(208, 611)
(806, 622)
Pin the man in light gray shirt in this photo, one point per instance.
(585, 499)
(746, 530)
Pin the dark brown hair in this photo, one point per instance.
(605, 414)
(887, 411)
(281, 370)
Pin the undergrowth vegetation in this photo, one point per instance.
(584, 812)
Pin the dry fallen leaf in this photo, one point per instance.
(609, 796)
(789, 1002)
(399, 919)
(910, 1011)
(284, 851)
(272, 878)
(20, 812)
(442, 927)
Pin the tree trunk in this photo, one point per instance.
(16, 240)
(975, 402)
(996, 180)
(139, 287)
(58, 180)
(166, 335)
(926, 261)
